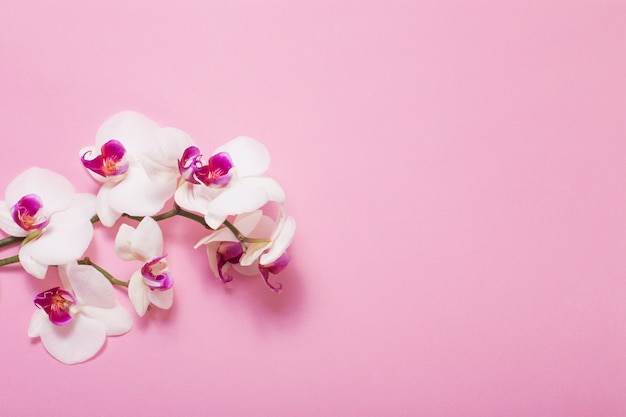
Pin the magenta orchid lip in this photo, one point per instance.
(56, 302)
(156, 275)
(216, 173)
(29, 213)
(110, 162)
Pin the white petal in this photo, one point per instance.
(147, 241)
(252, 254)
(135, 131)
(237, 199)
(74, 342)
(38, 320)
(55, 191)
(274, 190)
(281, 243)
(106, 214)
(138, 293)
(30, 264)
(7, 224)
(245, 223)
(171, 143)
(116, 320)
(66, 238)
(162, 299)
(250, 157)
(194, 198)
(211, 249)
(90, 286)
(138, 195)
(124, 242)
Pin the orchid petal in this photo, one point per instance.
(148, 240)
(90, 286)
(138, 195)
(7, 224)
(194, 198)
(116, 320)
(236, 199)
(274, 191)
(245, 223)
(30, 264)
(173, 142)
(106, 214)
(124, 242)
(250, 157)
(55, 191)
(211, 250)
(138, 293)
(161, 299)
(135, 131)
(67, 236)
(281, 242)
(39, 319)
(75, 342)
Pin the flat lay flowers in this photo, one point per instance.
(144, 173)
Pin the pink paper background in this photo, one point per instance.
(456, 168)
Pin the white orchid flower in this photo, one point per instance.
(258, 255)
(73, 323)
(137, 162)
(41, 206)
(231, 183)
(152, 284)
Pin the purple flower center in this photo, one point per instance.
(29, 214)
(215, 174)
(110, 162)
(56, 303)
(156, 274)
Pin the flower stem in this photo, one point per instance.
(175, 211)
(7, 261)
(107, 275)
(10, 240)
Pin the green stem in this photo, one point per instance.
(107, 275)
(7, 261)
(10, 241)
(175, 211)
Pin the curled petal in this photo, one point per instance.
(227, 252)
(266, 277)
(156, 274)
(190, 164)
(111, 161)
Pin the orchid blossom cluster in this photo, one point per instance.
(140, 168)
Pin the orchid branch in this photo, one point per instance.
(107, 275)
(11, 260)
(10, 240)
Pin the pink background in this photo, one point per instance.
(456, 168)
